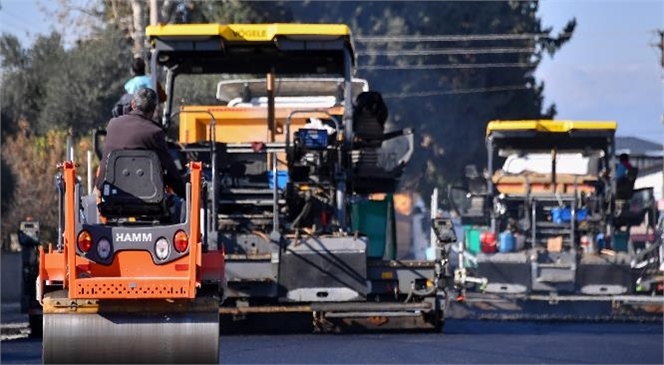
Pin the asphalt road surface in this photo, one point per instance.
(464, 342)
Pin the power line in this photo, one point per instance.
(15, 24)
(455, 92)
(661, 45)
(16, 19)
(453, 38)
(450, 51)
(446, 66)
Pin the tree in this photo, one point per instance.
(90, 79)
(236, 11)
(13, 58)
(28, 156)
(448, 97)
(48, 90)
(25, 74)
(56, 88)
(132, 16)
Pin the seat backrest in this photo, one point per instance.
(133, 185)
(369, 116)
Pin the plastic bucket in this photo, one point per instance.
(520, 242)
(371, 218)
(488, 242)
(507, 242)
(472, 239)
(619, 242)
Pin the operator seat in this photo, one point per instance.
(133, 186)
(477, 186)
(369, 117)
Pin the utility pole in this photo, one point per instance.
(661, 50)
(154, 12)
(661, 46)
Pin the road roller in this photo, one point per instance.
(129, 281)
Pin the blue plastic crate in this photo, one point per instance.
(564, 215)
(315, 139)
(282, 179)
(560, 215)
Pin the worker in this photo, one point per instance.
(624, 167)
(141, 80)
(137, 130)
(625, 178)
(138, 80)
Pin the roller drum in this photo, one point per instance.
(131, 338)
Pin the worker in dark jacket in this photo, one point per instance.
(137, 130)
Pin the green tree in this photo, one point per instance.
(55, 88)
(89, 81)
(448, 97)
(48, 90)
(236, 11)
(25, 74)
(201, 90)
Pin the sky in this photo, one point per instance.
(609, 70)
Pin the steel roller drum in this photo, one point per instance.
(133, 336)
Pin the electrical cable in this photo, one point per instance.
(447, 66)
(451, 51)
(454, 37)
(455, 92)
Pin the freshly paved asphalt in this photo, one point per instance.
(464, 342)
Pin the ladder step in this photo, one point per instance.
(264, 202)
(246, 191)
(554, 265)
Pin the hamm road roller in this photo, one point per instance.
(128, 283)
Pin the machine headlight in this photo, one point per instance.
(162, 248)
(104, 248)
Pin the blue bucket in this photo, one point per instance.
(506, 242)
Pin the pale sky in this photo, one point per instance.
(610, 70)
